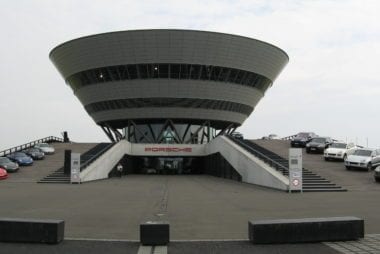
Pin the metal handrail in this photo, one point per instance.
(289, 137)
(93, 158)
(30, 144)
(262, 156)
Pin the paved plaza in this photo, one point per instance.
(199, 208)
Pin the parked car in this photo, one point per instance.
(45, 147)
(271, 137)
(302, 138)
(8, 165)
(3, 174)
(237, 135)
(361, 158)
(377, 174)
(21, 158)
(376, 158)
(318, 145)
(339, 151)
(35, 153)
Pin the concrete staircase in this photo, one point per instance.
(87, 158)
(312, 182)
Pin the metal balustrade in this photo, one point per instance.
(49, 139)
(271, 162)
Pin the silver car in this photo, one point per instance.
(45, 148)
(376, 158)
(361, 158)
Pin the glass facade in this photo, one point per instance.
(169, 102)
(169, 133)
(168, 71)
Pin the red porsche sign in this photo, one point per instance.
(168, 149)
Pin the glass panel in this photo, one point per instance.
(195, 71)
(132, 70)
(142, 71)
(123, 72)
(185, 71)
(154, 71)
(232, 76)
(174, 71)
(163, 70)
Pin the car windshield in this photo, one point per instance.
(338, 145)
(319, 140)
(43, 145)
(4, 160)
(363, 152)
(20, 154)
(33, 150)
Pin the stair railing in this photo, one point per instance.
(48, 139)
(263, 157)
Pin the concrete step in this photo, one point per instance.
(55, 181)
(57, 178)
(318, 184)
(321, 187)
(324, 190)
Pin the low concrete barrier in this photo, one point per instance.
(306, 230)
(154, 233)
(31, 230)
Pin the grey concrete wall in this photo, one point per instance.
(169, 46)
(100, 168)
(252, 169)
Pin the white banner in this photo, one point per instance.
(295, 169)
(75, 168)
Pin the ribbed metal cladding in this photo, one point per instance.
(168, 74)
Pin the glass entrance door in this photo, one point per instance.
(170, 166)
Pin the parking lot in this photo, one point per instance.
(335, 171)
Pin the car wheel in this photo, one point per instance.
(377, 180)
(326, 159)
(369, 166)
(348, 167)
(307, 151)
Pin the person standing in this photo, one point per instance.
(119, 169)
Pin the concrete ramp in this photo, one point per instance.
(100, 168)
(252, 169)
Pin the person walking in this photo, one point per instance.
(119, 169)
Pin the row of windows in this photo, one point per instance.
(168, 102)
(168, 71)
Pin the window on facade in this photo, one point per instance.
(169, 102)
(171, 71)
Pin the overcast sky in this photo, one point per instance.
(331, 85)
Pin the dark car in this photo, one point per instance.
(376, 158)
(8, 165)
(318, 144)
(302, 138)
(35, 153)
(237, 135)
(21, 158)
(377, 174)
